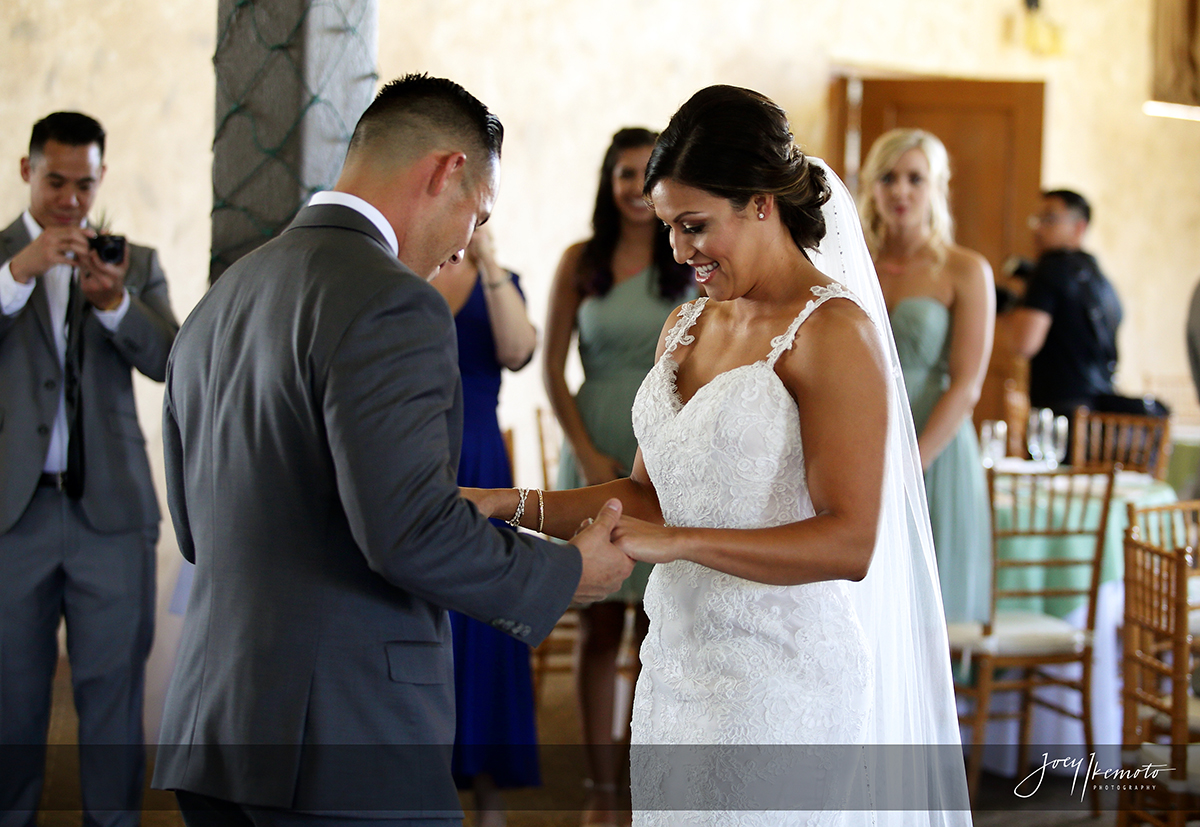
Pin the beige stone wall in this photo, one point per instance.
(564, 74)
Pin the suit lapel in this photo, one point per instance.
(13, 240)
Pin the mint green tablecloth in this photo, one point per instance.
(1140, 489)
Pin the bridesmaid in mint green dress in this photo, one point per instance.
(615, 292)
(942, 305)
(617, 337)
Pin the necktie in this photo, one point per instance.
(72, 370)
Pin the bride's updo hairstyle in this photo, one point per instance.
(735, 144)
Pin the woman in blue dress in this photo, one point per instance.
(941, 302)
(495, 745)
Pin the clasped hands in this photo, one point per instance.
(609, 544)
(101, 283)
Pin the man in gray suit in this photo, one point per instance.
(78, 513)
(312, 422)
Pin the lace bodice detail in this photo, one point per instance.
(740, 434)
(727, 660)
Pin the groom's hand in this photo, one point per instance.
(604, 566)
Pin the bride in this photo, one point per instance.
(796, 670)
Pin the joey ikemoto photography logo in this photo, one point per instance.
(1140, 777)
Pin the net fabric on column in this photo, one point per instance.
(292, 76)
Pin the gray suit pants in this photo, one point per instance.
(54, 565)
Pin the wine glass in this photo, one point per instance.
(1046, 437)
(1033, 435)
(993, 439)
(1061, 431)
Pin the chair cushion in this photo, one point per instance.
(965, 635)
(1163, 721)
(1032, 633)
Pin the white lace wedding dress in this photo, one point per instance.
(749, 676)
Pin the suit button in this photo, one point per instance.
(49, 384)
(43, 430)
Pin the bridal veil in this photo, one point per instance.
(914, 762)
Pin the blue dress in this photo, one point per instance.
(955, 485)
(496, 732)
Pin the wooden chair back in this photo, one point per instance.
(557, 652)
(1157, 660)
(509, 450)
(550, 444)
(1016, 414)
(1175, 525)
(1137, 442)
(1058, 503)
(1068, 509)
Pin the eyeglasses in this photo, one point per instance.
(1047, 219)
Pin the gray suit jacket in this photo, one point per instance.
(312, 425)
(118, 492)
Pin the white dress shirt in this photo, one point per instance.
(56, 280)
(345, 199)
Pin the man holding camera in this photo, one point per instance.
(1067, 324)
(78, 512)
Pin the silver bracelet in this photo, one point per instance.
(541, 511)
(515, 522)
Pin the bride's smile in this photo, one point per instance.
(703, 271)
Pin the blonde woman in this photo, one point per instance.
(941, 303)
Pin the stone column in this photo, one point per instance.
(293, 76)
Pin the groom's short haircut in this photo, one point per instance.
(417, 113)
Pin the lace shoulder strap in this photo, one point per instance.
(687, 317)
(820, 295)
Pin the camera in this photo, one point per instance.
(110, 248)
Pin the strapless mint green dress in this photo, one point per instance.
(618, 336)
(955, 483)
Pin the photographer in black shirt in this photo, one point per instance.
(1067, 323)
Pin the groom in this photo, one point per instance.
(312, 425)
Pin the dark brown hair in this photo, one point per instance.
(735, 144)
(595, 276)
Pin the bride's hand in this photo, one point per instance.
(647, 542)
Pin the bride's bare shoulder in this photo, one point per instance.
(839, 331)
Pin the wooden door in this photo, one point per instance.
(993, 132)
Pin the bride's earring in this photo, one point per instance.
(761, 217)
